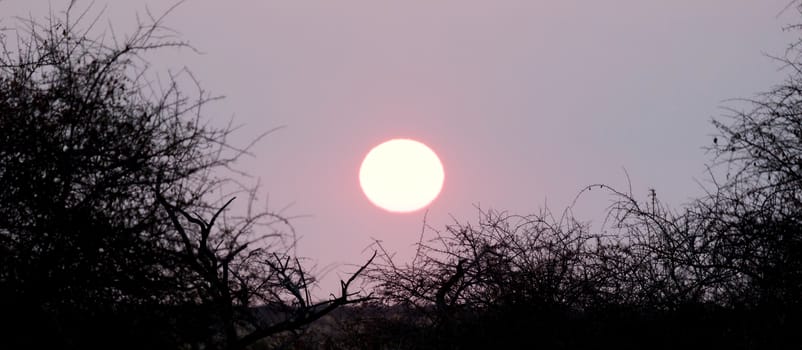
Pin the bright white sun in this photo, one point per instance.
(401, 175)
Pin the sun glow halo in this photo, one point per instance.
(401, 175)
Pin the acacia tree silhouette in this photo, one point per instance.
(108, 175)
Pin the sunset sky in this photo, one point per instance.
(525, 101)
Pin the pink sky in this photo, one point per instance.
(525, 102)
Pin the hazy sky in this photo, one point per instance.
(525, 102)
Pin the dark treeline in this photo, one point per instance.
(113, 232)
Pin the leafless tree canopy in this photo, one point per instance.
(109, 224)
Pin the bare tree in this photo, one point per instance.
(470, 275)
(254, 291)
(110, 221)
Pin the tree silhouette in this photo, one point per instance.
(700, 276)
(109, 229)
(232, 274)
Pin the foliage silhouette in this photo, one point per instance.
(109, 233)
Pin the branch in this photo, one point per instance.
(308, 317)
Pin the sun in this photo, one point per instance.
(401, 175)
